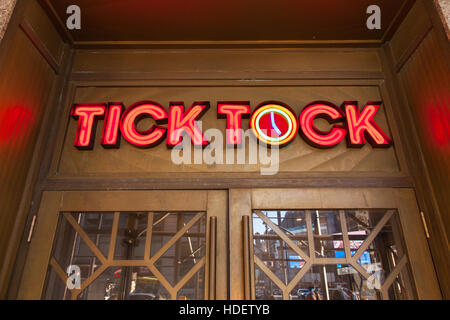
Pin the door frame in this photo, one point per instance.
(244, 201)
(53, 204)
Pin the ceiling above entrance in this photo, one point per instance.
(231, 20)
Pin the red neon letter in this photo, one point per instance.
(110, 134)
(87, 115)
(314, 136)
(180, 121)
(143, 139)
(234, 112)
(362, 125)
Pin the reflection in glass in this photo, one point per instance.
(328, 234)
(143, 285)
(193, 289)
(265, 288)
(71, 249)
(343, 283)
(119, 279)
(176, 262)
(344, 266)
(130, 243)
(271, 249)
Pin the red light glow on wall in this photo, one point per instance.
(438, 123)
(13, 122)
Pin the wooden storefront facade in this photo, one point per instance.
(48, 184)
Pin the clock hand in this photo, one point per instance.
(274, 125)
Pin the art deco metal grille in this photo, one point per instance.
(136, 255)
(332, 254)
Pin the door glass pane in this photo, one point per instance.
(270, 248)
(140, 284)
(265, 288)
(132, 227)
(328, 234)
(183, 254)
(128, 256)
(193, 289)
(331, 254)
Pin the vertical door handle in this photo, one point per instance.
(212, 257)
(246, 255)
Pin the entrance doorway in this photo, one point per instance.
(292, 244)
(128, 245)
(312, 244)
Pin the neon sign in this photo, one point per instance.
(272, 123)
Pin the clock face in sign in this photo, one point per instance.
(274, 124)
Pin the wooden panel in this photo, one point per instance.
(36, 18)
(417, 246)
(134, 201)
(230, 20)
(28, 87)
(224, 63)
(419, 83)
(322, 198)
(218, 207)
(240, 205)
(297, 157)
(410, 33)
(426, 81)
(229, 180)
(25, 83)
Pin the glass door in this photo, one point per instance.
(128, 245)
(329, 244)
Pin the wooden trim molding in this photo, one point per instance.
(40, 46)
(396, 22)
(226, 44)
(407, 54)
(303, 75)
(85, 183)
(57, 22)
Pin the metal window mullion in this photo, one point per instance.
(148, 236)
(113, 238)
(348, 253)
(309, 229)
